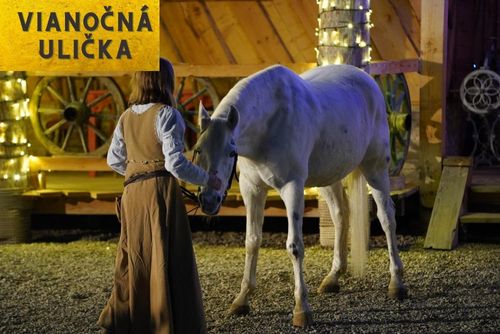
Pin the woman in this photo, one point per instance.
(156, 287)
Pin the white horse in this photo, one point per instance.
(292, 132)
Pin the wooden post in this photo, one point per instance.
(343, 38)
(432, 95)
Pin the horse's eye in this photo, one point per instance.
(232, 154)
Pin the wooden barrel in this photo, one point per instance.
(326, 227)
(15, 214)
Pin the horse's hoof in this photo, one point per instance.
(398, 292)
(329, 285)
(239, 309)
(302, 319)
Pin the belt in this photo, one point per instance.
(145, 176)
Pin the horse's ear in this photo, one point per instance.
(232, 117)
(203, 117)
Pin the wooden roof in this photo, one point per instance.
(235, 38)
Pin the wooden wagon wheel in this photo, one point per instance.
(192, 90)
(76, 115)
(397, 100)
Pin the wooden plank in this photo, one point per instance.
(275, 31)
(183, 34)
(486, 189)
(393, 66)
(432, 95)
(77, 193)
(259, 32)
(105, 195)
(225, 71)
(388, 35)
(442, 230)
(272, 209)
(207, 70)
(232, 33)
(211, 45)
(68, 163)
(481, 217)
(417, 7)
(458, 161)
(300, 40)
(45, 193)
(409, 22)
(168, 48)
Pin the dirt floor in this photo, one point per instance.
(60, 287)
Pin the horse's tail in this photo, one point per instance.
(358, 220)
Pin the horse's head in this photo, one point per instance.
(216, 153)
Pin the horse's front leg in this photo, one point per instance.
(254, 198)
(335, 198)
(293, 197)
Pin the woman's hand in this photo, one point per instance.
(214, 181)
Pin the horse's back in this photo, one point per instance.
(341, 78)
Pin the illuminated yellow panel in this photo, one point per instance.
(79, 36)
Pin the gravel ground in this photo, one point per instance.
(60, 287)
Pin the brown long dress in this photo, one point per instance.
(156, 286)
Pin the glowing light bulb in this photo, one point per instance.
(5, 176)
(338, 60)
(349, 25)
(17, 177)
(362, 44)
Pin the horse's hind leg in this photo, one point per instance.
(379, 182)
(335, 198)
(292, 194)
(254, 197)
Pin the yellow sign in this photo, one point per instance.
(79, 36)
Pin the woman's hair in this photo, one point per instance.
(154, 86)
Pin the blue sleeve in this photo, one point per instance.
(117, 153)
(170, 130)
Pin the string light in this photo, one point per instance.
(14, 163)
(343, 32)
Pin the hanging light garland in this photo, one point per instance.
(14, 145)
(344, 32)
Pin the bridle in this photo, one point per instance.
(195, 197)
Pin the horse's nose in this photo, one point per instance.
(218, 198)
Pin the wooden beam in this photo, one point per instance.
(432, 95)
(393, 66)
(260, 34)
(409, 22)
(273, 27)
(169, 42)
(68, 163)
(226, 71)
(442, 231)
(227, 51)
